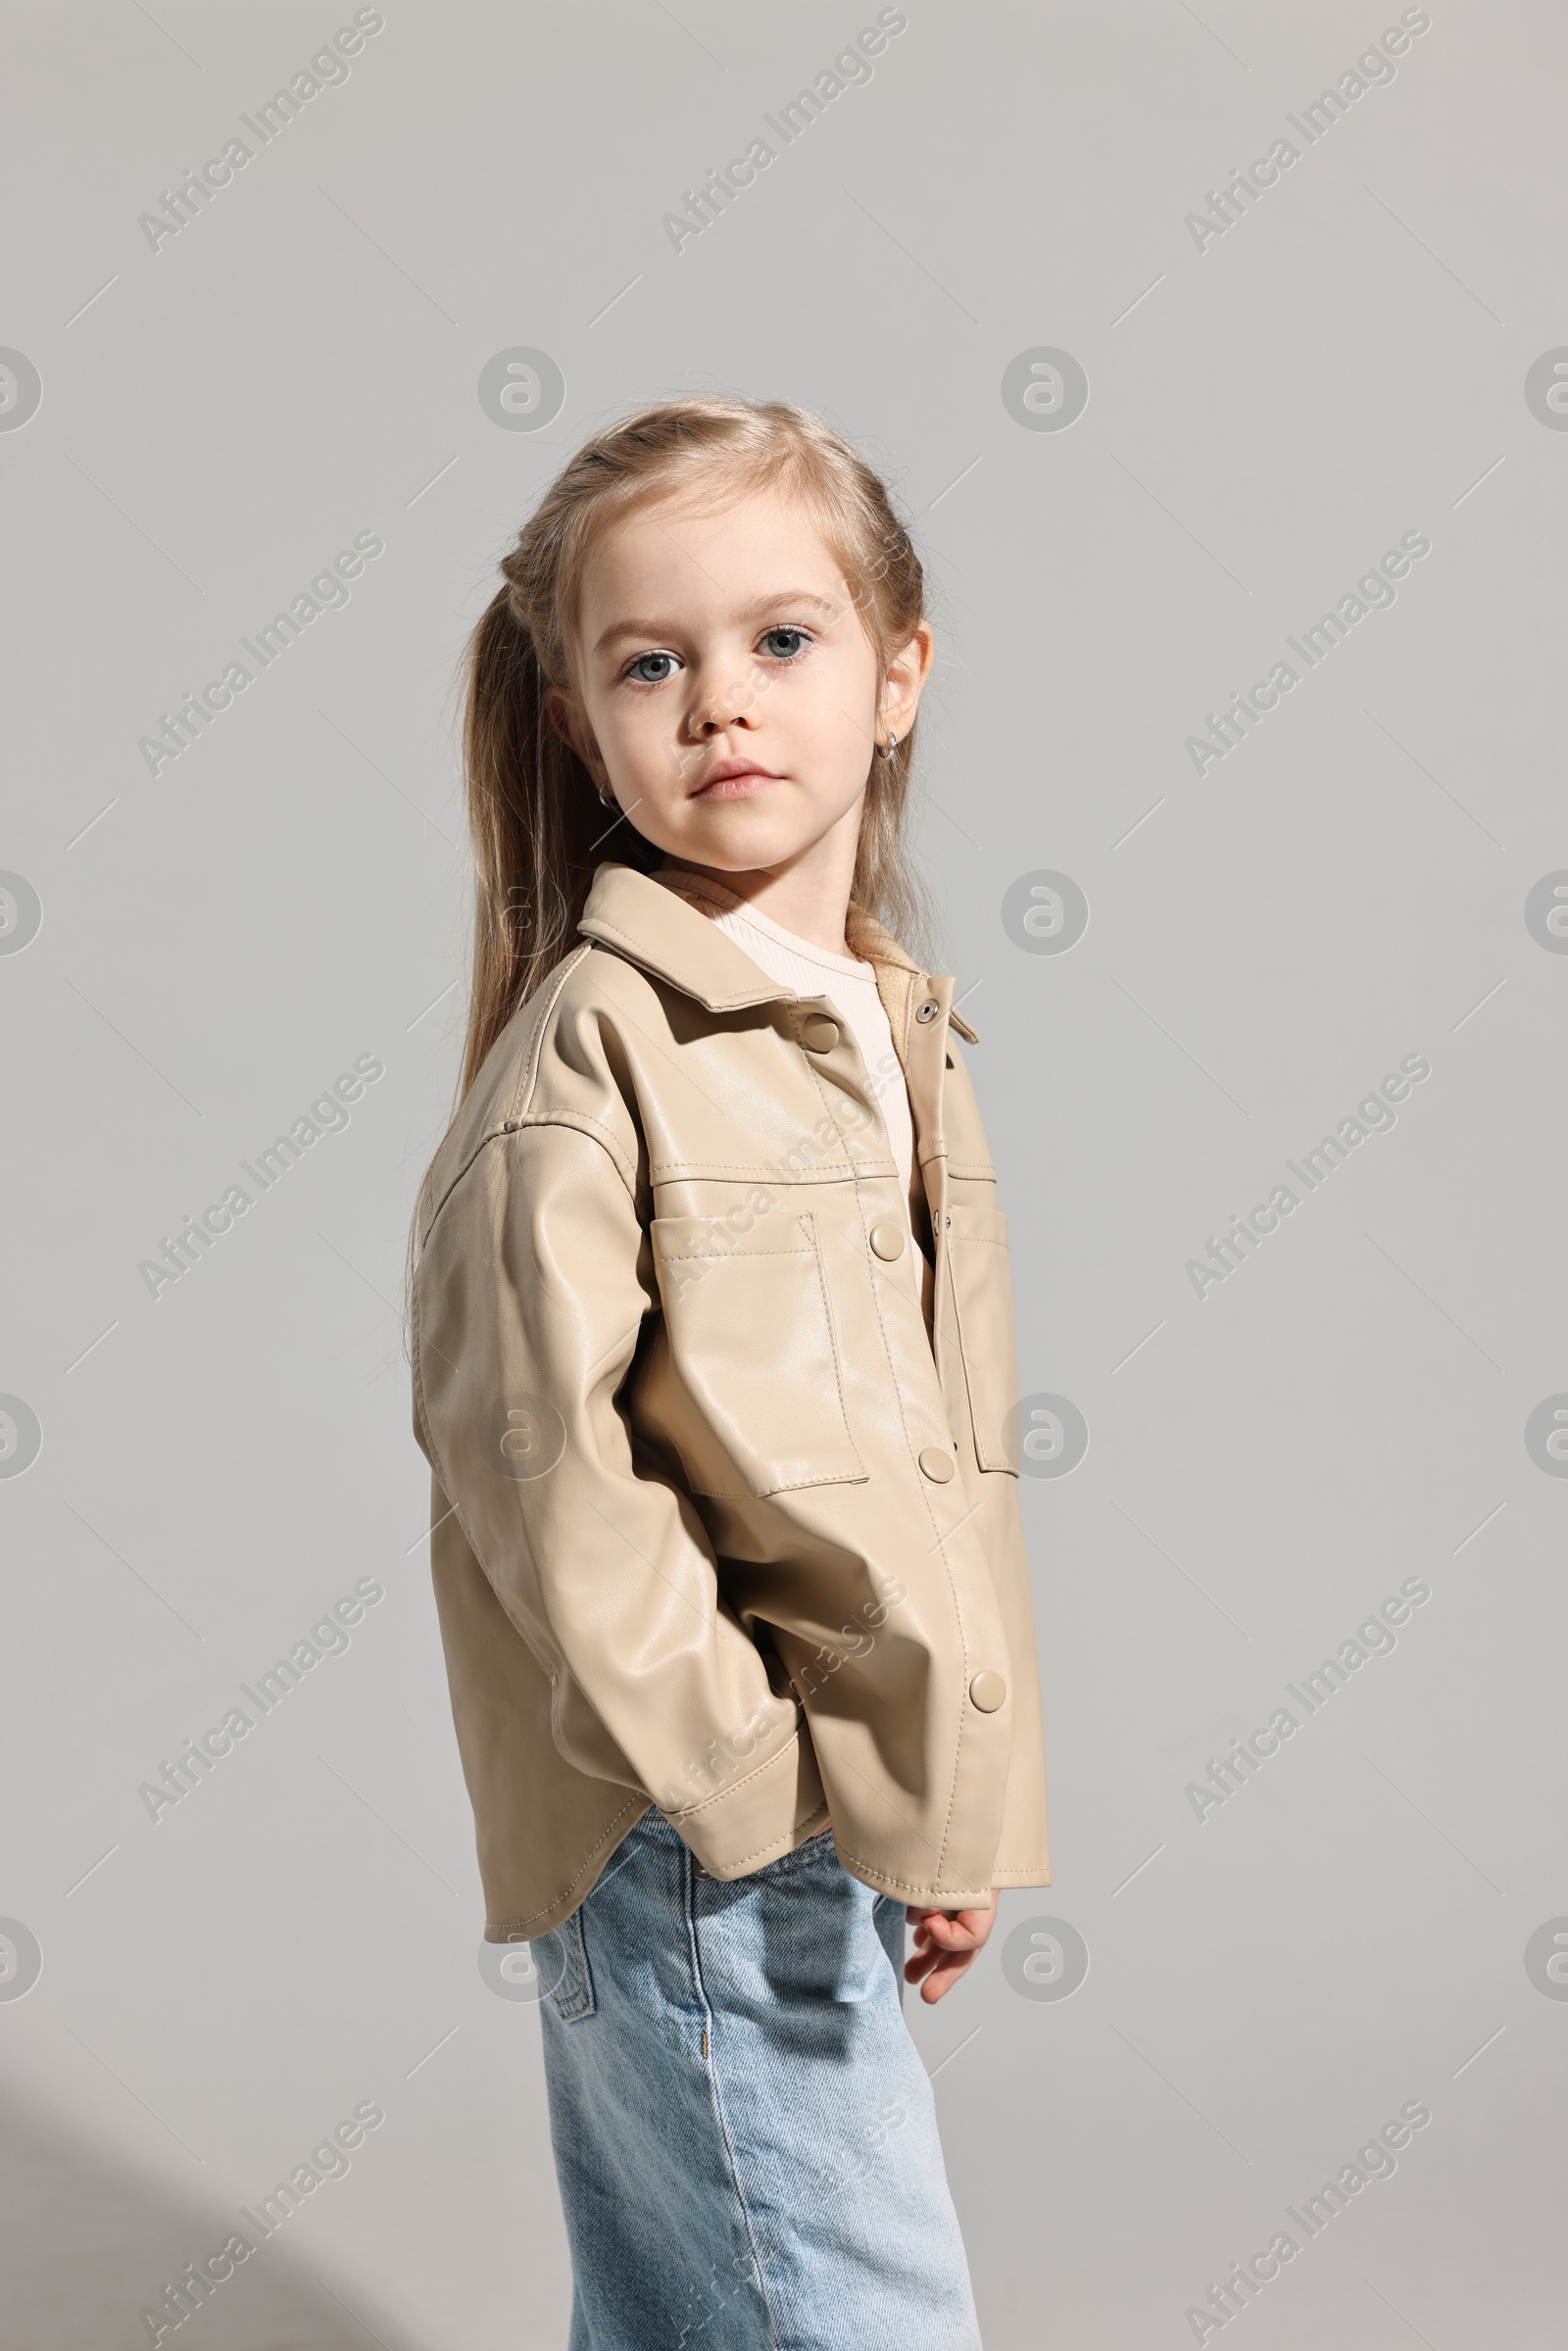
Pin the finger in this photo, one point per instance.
(942, 1978)
(932, 1963)
(954, 1934)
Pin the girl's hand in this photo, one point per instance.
(945, 1944)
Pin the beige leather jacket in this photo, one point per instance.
(719, 1525)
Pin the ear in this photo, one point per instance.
(569, 725)
(906, 679)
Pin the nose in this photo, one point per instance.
(705, 725)
(717, 706)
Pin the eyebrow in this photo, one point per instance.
(773, 602)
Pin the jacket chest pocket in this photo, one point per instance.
(750, 1332)
(981, 1271)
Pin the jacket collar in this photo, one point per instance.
(657, 928)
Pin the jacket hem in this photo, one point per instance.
(942, 1897)
(514, 1930)
(803, 1834)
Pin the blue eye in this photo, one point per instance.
(774, 646)
(639, 668)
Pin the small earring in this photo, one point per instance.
(884, 751)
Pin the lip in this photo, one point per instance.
(735, 779)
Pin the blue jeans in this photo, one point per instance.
(745, 2136)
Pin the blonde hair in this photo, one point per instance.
(536, 821)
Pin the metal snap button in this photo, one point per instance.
(819, 1031)
(988, 1690)
(887, 1240)
(928, 1010)
(938, 1466)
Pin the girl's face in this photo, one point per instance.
(726, 693)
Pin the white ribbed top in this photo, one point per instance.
(850, 985)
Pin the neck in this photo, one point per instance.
(808, 895)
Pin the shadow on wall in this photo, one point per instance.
(91, 2246)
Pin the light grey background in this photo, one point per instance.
(1265, 1464)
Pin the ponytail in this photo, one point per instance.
(537, 825)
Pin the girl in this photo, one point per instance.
(714, 1367)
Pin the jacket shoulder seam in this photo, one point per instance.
(526, 1085)
(582, 1120)
(530, 1071)
(585, 1123)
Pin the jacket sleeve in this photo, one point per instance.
(530, 1295)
